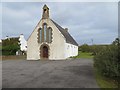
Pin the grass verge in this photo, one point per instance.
(84, 55)
(103, 82)
(14, 57)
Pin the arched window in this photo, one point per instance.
(40, 35)
(45, 34)
(49, 34)
(45, 30)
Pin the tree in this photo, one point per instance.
(10, 46)
(84, 48)
(116, 42)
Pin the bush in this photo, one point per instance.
(94, 49)
(106, 61)
(84, 48)
(10, 46)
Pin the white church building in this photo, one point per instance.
(50, 41)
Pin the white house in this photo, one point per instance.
(23, 43)
(0, 41)
(50, 41)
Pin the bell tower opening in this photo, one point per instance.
(45, 12)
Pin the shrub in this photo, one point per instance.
(10, 46)
(84, 48)
(107, 61)
(94, 49)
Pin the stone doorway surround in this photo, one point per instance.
(44, 51)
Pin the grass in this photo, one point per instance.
(14, 57)
(0, 49)
(103, 82)
(84, 55)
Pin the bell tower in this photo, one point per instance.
(45, 12)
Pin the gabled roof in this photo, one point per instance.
(69, 38)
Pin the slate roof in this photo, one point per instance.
(69, 38)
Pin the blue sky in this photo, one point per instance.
(84, 20)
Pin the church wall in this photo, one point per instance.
(57, 47)
(71, 50)
(32, 46)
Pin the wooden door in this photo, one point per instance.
(45, 52)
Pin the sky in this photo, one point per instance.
(86, 21)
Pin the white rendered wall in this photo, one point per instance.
(57, 47)
(32, 46)
(71, 50)
(23, 43)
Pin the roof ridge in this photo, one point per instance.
(69, 38)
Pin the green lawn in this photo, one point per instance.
(84, 55)
(105, 83)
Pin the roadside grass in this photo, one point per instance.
(103, 82)
(14, 57)
(84, 55)
(0, 49)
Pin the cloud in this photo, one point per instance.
(85, 20)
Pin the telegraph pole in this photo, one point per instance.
(92, 41)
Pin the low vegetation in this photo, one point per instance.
(106, 62)
(0, 49)
(104, 82)
(10, 46)
(13, 57)
(84, 55)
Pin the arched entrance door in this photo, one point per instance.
(45, 52)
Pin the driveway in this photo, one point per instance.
(74, 73)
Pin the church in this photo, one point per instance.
(50, 41)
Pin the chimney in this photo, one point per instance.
(66, 29)
(21, 35)
(6, 37)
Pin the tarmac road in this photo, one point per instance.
(74, 73)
